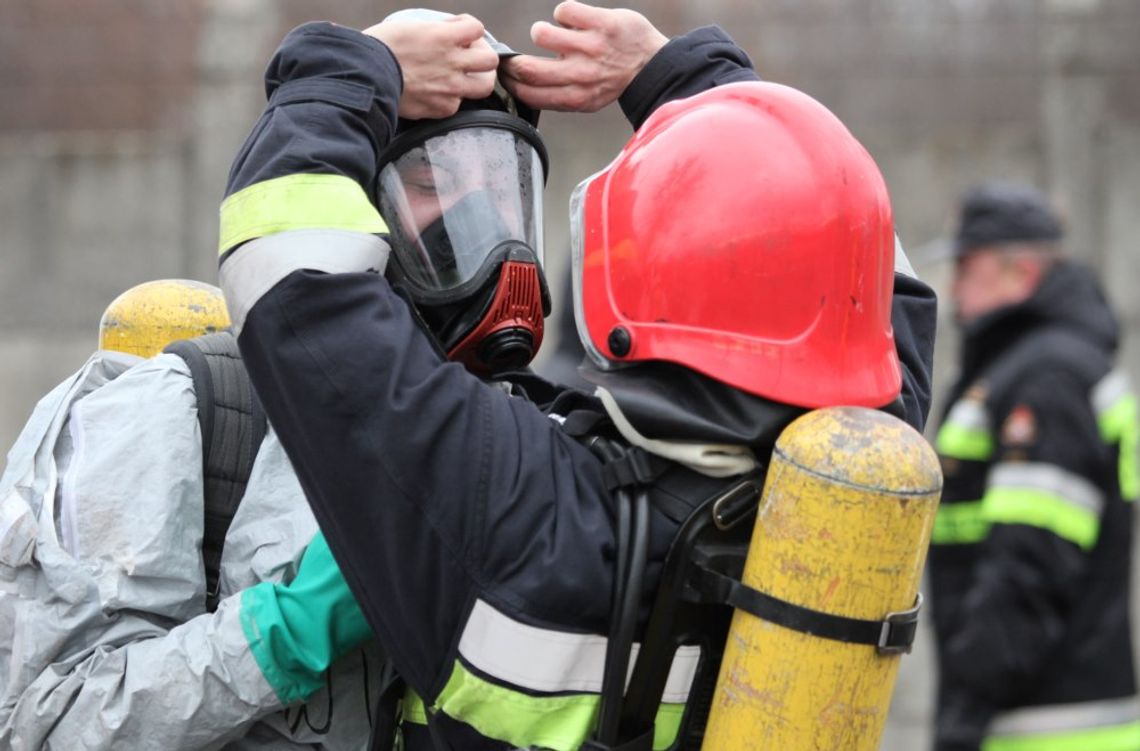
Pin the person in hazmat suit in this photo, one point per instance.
(118, 628)
(734, 267)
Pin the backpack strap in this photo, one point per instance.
(233, 425)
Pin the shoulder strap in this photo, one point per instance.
(232, 424)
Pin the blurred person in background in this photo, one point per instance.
(1030, 557)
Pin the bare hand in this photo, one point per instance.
(443, 62)
(599, 51)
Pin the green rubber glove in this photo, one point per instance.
(297, 630)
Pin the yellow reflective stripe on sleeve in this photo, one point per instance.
(959, 442)
(297, 202)
(1116, 738)
(959, 523)
(1042, 509)
(667, 725)
(560, 722)
(413, 709)
(1120, 426)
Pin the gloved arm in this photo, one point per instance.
(297, 630)
(1040, 500)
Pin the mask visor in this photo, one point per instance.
(452, 202)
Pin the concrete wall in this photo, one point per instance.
(119, 120)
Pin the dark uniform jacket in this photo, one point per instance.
(476, 535)
(1029, 567)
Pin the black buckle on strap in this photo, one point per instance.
(890, 636)
(898, 630)
(736, 503)
(635, 467)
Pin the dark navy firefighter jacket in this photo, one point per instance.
(1031, 553)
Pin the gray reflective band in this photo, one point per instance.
(1109, 389)
(969, 414)
(1051, 479)
(544, 660)
(255, 267)
(1061, 717)
(902, 263)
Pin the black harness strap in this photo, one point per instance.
(233, 425)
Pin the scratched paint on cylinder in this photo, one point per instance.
(843, 528)
(149, 316)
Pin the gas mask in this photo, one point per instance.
(462, 198)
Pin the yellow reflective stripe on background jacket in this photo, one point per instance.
(964, 437)
(1118, 417)
(1108, 725)
(1044, 496)
(959, 523)
(965, 434)
(966, 522)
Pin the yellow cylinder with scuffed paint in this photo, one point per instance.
(149, 316)
(843, 528)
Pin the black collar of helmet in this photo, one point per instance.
(419, 131)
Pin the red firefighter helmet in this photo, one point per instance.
(743, 233)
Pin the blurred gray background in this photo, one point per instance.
(118, 120)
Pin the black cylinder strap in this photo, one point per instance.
(892, 635)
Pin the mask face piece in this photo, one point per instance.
(463, 203)
(456, 244)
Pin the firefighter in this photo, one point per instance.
(1030, 561)
(153, 572)
(478, 534)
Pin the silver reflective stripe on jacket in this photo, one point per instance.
(1109, 389)
(254, 268)
(551, 661)
(1066, 718)
(1048, 478)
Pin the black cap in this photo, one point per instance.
(1000, 212)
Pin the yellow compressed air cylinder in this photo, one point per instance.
(843, 528)
(149, 316)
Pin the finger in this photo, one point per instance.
(565, 41)
(477, 58)
(463, 29)
(538, 97)
(545, 71)
(477, 85)
(576, 15)
(552, 98)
